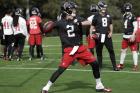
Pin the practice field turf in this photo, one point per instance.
(30, 76)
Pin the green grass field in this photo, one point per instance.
(30, 76)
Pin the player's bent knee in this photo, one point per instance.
(123, 50)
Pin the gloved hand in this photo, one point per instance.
(132, 38)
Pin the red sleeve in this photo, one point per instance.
(39, 20)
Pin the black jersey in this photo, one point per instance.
(70, 33)
(128, 23)
(102, 23)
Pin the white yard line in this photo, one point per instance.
(59, 53)
(77, 70)
(59, 45)
(103, 59)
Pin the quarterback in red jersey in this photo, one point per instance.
(70, 31)
(35, 28)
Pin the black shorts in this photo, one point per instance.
(9, 39)
(2, 41)
(19, 40)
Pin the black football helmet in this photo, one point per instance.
(35, 11)
(94, 8)
(68, 6)
(127, 7)
(19, 11)
(102, 5)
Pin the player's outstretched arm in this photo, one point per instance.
(86, 23)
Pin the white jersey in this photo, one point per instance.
(90, 18)
(21, 28)
(7, 22)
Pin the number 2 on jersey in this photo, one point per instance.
(70, 30)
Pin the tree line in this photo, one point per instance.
(50, 8)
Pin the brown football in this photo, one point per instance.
(48, 26)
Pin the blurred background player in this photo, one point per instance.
(20, 31)
(138, 35)
(130, 28)
(70, 31)
(90, 36)
(35, 37)
(102, 24)
(2, 43)
(8, 37)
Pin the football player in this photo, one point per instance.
(1, 39)
(70, 31)
(20, 31)
(102, 25)
(130, 28)
(138, 34)
(35, 38)
(8, 37)
(90, 36)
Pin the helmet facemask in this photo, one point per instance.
(102, 7)
(69, 9)
(19, 12)
(94, 8)
(127, 7)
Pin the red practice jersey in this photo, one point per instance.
(34, 24)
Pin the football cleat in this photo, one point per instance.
(19, 59)
(101, 88)
(105, 90)
(5, 58)
(135, 68)
(116, 69)
(1, 56)
(120, 66)
(44, 91)
(10, 58)
(42, 58)
(30, 59)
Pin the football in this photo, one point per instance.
(48, 26)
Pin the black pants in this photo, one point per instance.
(9, 45)
(109, 45)
(19, 43)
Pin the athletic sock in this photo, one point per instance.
(31, 51)
(135, 58)
(99, 84)
(123, 54)
(48, 85)
(98, 81)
